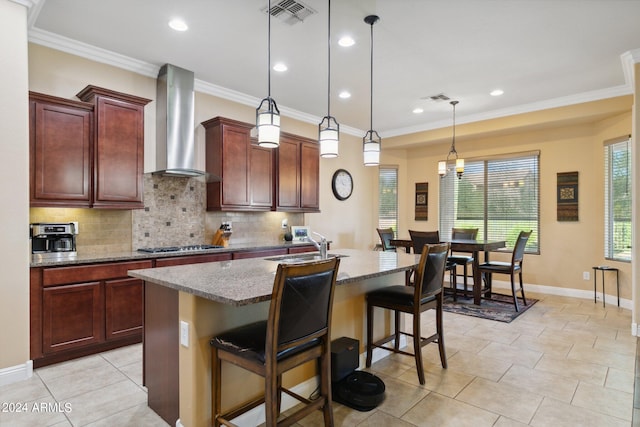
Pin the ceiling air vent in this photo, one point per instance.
(291, 11)
(437, 98)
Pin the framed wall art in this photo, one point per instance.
(422, 201)
(567, 196)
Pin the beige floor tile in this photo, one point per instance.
(24, 391)
(124, 355)
(380, 419)
(585, 353)
(393, 365)
(439, 411)
(447, 382)
(565, 316)
(484, 367)
(455, 342)
(110, 400)
(543, 383)
(619, 380)
(553, 413)
(400, 396)
(512, 402)
(342, 416)
(138, 416)
(547, 345)
(94, 362)
(133, 371)
(511, 354)
(590, 329)
(495, 332)
(616, 345)
(579, 370)
(42, 412)
(507, 422)
(83, 381)
(537, 319)
(569, 336)
(604, 400)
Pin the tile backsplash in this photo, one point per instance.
(174, 215)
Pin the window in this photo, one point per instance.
(498, 195)
(617, 196)
(388, 198)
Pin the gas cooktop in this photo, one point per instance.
(187, 248)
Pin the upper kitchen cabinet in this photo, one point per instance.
(60, 140)
(297, 174)
(246, 170)
(118, 149)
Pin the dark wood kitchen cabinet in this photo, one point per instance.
(60, 150)
(80, 310)
(297, 168)
(246, 170)
(118, 147)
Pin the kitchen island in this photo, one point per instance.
(211, 298)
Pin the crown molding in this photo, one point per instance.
(629, 59)
(26, 3)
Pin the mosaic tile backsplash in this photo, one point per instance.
(174, 215)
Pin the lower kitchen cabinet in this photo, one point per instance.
(81, 310)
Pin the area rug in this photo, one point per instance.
(499, 308)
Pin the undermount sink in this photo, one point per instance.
(305, 257)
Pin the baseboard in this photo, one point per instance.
(16, 373)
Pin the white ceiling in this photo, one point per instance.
(542, 53)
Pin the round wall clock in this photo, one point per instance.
(342, 184)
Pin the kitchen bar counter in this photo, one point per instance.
(89, 258)
(210, 298)
(248, 281)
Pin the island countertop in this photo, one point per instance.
(248, 281)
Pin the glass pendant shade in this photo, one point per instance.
(371, 148)
(459, 167)
(328, 136)
(268, 123)
(442, 168)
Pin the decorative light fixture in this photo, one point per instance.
(371, 141)
(442, 165)
(329, 128)
(267, 113)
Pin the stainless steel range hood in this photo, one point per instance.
(175, 134)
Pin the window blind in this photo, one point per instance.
(388, 198)
(618, 199)
(498, 195)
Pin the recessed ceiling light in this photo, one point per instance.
(346, 41)
(344, 94)
(280, 67)
(418, 110)
(496, 92)
(178, 24)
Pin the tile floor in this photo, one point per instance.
(565, 362)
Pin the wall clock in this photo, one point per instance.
(342, 184)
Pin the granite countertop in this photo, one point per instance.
(88, 258)
(248, 281)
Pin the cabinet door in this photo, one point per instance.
(288, 175)
(73, 316)
(123, 305)
(119, 153)
(235, 166)
(60, 152)
(261, 177)
(309, 174)
(118, 147)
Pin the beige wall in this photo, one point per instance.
(14, 187)
(567, 249)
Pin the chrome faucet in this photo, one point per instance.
(320, 246)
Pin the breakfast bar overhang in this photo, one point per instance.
(214, 297)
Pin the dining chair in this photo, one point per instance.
(421, 238)
(386, 234)
(460, 259)
(297, 330)
(425, 295)
(488, 269)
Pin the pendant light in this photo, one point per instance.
(442, 164)
(267, 113)
(371, 141)
(329, 128)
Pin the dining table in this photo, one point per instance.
(472, 246)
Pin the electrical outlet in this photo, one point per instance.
(586, 275)
(184, 334)
(285, 223)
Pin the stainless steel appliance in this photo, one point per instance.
(53, 240)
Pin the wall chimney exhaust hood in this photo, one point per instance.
(175, 133)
